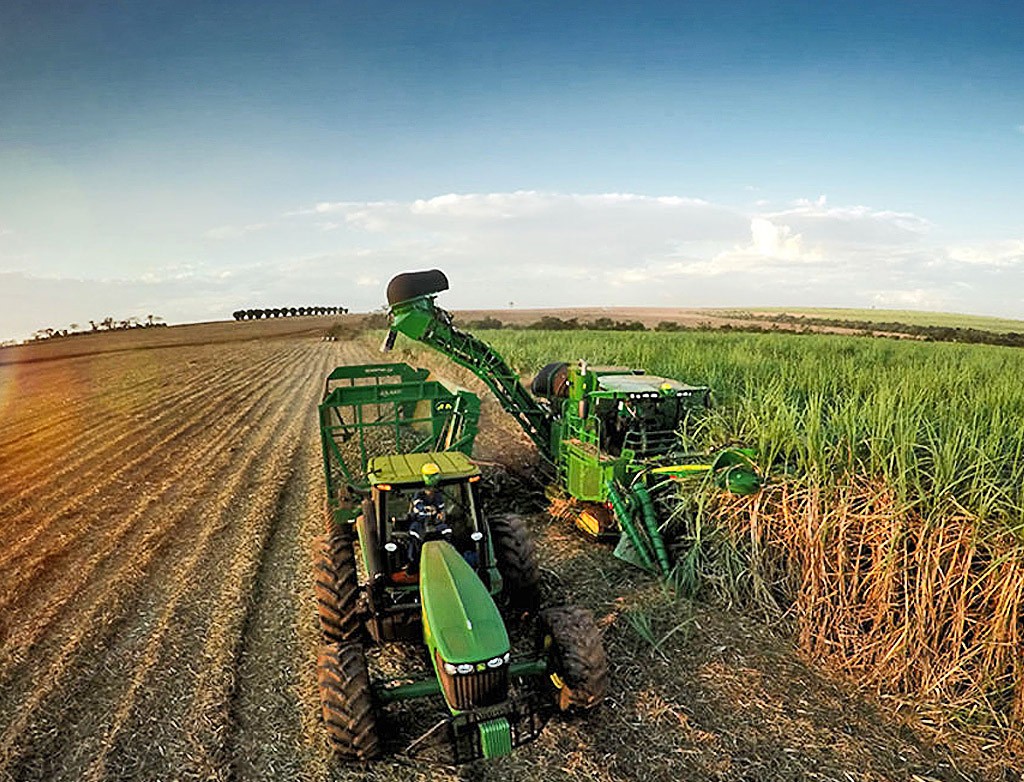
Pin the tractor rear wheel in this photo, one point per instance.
(337, 588)
(578, 666)
(517, 561)
(347, 701)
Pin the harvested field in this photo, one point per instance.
(157, 621)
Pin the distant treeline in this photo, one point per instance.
(107, 324)
(772, 324)
(551, 323)
(287, 312)
(928, 333)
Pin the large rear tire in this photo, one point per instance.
(578, 665)
(347, 702)
(337, 588)
(517, 562)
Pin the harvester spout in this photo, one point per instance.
(412, 285)
(413, 313)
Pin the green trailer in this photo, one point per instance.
(453, 587)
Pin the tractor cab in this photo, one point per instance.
(398, 519)
(405, 512)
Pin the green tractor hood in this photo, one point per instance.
(460, 619)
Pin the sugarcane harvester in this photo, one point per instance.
(605, 432)
(409, 556)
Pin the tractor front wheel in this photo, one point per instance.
(337, 588)
(347, 702)
(577, 664)
(517, 561)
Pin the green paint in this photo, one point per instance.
(495, 737)
(460, 619)
(650, 519)
(420, 688)
(624, 515)
(403, 469)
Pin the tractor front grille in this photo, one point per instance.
(473, 690)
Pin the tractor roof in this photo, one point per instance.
(406, 468)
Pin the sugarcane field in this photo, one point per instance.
(853, 618)
(502, 392)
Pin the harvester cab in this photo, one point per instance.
(410, 556)
(621, 410)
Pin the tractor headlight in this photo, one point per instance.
(450, 669)
(465, 668)
(495, 662)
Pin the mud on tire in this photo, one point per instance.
(577, 662)
(347, 702)
(337, 588)
(517, 561)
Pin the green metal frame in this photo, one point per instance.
(386, 407)
(419, 319)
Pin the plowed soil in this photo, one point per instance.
(159, 495)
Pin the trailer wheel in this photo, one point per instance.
(347, 701)
(337, 588)
(517, 561)
(577, 664)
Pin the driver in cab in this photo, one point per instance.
(426, 516)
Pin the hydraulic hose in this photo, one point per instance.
(625, 518)
(651, 523)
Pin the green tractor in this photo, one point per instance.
(410, 557)
(609, 434)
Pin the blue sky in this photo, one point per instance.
(191, 159)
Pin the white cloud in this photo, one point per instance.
(771, 249)
(547, 249)
(556, 249)
(528, 207)
(857, 225)
(996, 254)
(777, 241)
(234, 231)
(915, 298)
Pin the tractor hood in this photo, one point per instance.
(459, 616)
